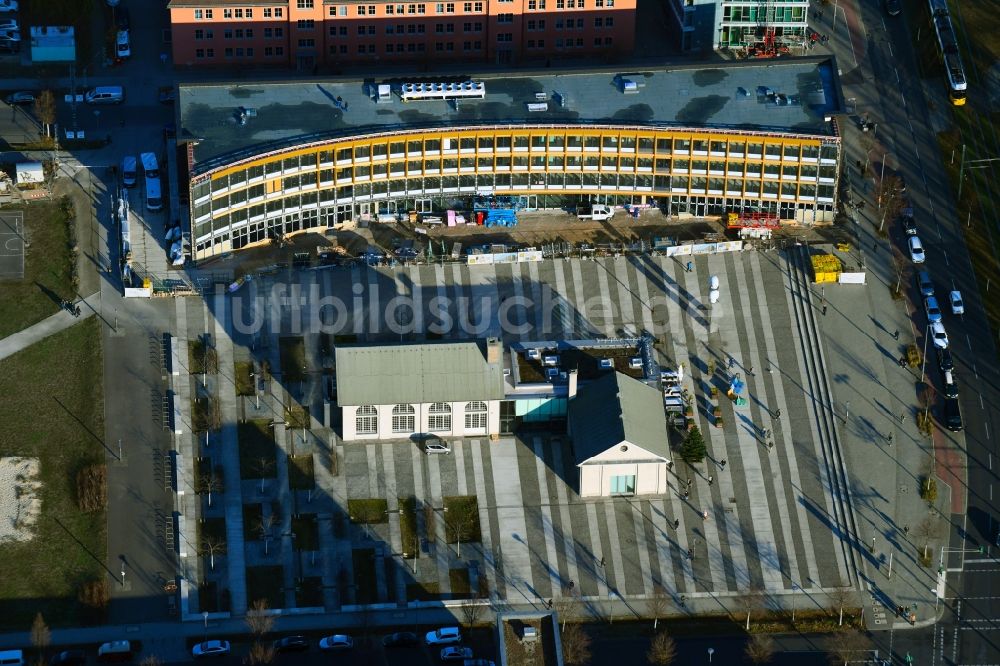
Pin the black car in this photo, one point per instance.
(952, 415)
(945, 362)
(401, 639)
(291, 644)
(69, 658)
(950, 389)
(893, 7)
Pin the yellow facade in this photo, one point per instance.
(312, 186)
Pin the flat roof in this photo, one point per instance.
(726, 95)
(416, 373)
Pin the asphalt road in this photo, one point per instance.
(905, 108)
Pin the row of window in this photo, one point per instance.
(239, 33)
(415, 9)
(237, 52)
(765, 14)
(238, 12)
(233, 209)
(404, 418)
(739, 150)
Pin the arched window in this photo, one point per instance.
(403, 418)
(475, 416)
(366, 420)
(439, 417)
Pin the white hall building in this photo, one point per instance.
(448, 389)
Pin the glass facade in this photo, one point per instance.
(685, 171)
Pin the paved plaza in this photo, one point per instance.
(776, 518)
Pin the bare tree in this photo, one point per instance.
(471, 611)
(461, 520)
(750, 602)
(41, 636)
(45, 109)
(845, 646)
(926, 528)
(575, 645)
(260, 653)
(839, 598)
(264, 526)
(264, 465)
(212, 545)
(259, 622)
(567, 608)
(210, 483)
(658, 604)
(662, 650)
(902, 267)
(760, 649)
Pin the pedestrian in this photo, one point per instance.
(572, 584)
(690, 554)
(895, 334)
(777, 413)
(677, 523)
(602, 560)
(824, 310)
(711, 479)
(906, 529)
(687, 494)
(722, 464)
(902, 361)
(902, 418)
(891, 436)
(732, 362)
(690, 482)
(704, 515)
(163, 58)
(770, 445)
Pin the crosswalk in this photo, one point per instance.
(766, 522)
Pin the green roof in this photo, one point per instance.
(420, 373)
(616, 409)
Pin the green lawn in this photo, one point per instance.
(51, 407)
(266, 583)
(244, 380)
(306, 531)
(371, 511)
(257, 449)
(293, 359)
(364, 575)
(408, 525)
(300, 473)
(460, 588)
(48, 268)
(461, 519)
(423, 591)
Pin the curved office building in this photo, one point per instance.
(271, 159)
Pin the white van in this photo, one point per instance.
(11, 658)
(150, 165)
(115, 651)
(128, 171)
(105, 95)
(154, 197)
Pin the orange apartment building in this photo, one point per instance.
(303, 34)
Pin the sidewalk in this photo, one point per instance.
(60, 321)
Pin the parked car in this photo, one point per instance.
(436, 446)
(945, 361)
(925, 284)
(443, 636)
(121, 18)
(893, 7)
(167, 95)
(10, 34)
(291, 644)
(939, 335)
(952, 415)
(210, 649)
(916, 249)
(123, 46)
(23, 97)
(455, 653)
(932, 309)
(478, 662)
(950, 385)
(401, 639)
(8, 5)
(909, 225)
(69, 658)
(336, 642)
(9, 24)
(957, 304)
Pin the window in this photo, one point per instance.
(505, 37)
(278, 50)
(541, 43)
(363, 10)
(239, 52)
(478, 7)
(623, 485)
(389, 10)
(366, 420)
(449, 8)
(505, 18)
(249, 51)
(531, 43)
(439, 417)
(570, 4)
(199, 34)
(199, 53)
(532, 4)
(403, 418)
(475, 416)
(267, 12)
(198, 14)
(598, 22)
(227, 13)
(597, 41)
(227, 33)
(268, 33)
(208, 13)
(239, 33)
(579, 24)
(228, 52)
(239, 12)
(209, 53)
(249, 13)
(609, 21)
(278, 12)
(559, 24)
(362, 30)
(279, 32)
(361, 48)
(439, 8)
(268, 51)
(306, 24)
(607, 41)
(305, 43)
(579, 42)
(304, 4)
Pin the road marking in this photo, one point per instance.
(981, 405)
(890, 51)
(987, 426)
(975, 370)
(968, 341)
(897, 73)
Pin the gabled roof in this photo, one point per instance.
(616, 409)
(421, 373)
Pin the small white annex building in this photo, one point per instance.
(449, 389)
(619, 434)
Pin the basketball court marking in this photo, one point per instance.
(12, 245)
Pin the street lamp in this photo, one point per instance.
(711, 651)
(204, 616)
